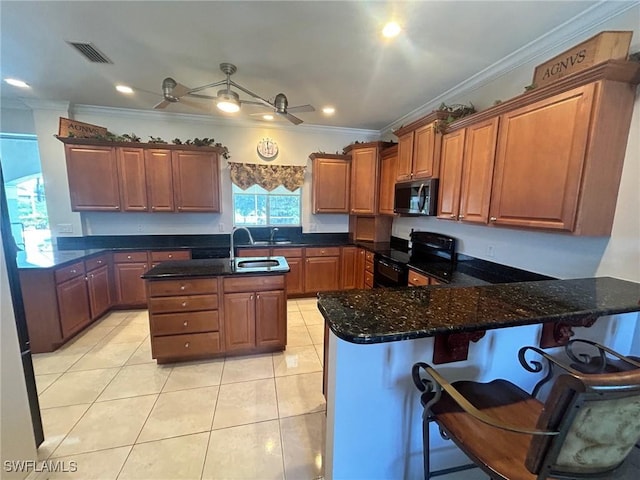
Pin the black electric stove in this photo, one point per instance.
(434, 254)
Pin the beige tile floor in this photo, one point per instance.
(108, 407)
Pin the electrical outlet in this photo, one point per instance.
(140, 228)
(221, 227)
(65, 228)
(491, 251)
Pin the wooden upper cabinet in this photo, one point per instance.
(419, 148)
(133, 184)
(365, 171)
(405, 155)
(331, 180)
(477, 171)
(388, 170)
(466, 170)
(195, 181)
(159, 176)
(539, 163)
(93, 178)
(450, 175)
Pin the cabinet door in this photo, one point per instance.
(73, 305)
(133, 184)
(130, 288)
(239, 321)
(360, 267)
(425, 154)
(195, 181)
(364, 183)
(322, 274)
(450, 175)
(99, 288)
(348, 266)
(477, 171)
(541, 149)
(157, 164)
(295, 277)
(93, 178)
(388, 170)
(271, 319)
(331, 182)
(405, 156)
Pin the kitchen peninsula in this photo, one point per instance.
(210, 307)
(373, 412)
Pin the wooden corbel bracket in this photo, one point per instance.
(557, 334)
(454, 347)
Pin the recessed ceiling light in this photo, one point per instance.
(328, 110)
(267, 117)
(391, 29)
(16, 83)
(124, 89)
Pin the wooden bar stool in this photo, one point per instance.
(585, 429)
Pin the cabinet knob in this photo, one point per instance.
(493, 219)
(170, 255)
(73, 271)
(452, 216)
(186, 345)
(99, 262)
(258, 296)
(179, 208)
(117, 207)
(153, 207)
(182, 287)
(251, 297)
(322, 252)
(128, 257)
(185, 323)
(184, 304)
(460, 216)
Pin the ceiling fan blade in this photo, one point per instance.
(199, 95)
(180, 90)
(292, 118)
(301, 108)
(162, 104)
(197, 105)
(252, 103)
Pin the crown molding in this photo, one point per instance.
(38, 104)
(218, 121)
(572, 29)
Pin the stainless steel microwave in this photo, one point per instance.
(417, 197)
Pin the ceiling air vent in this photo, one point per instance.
(90, 52)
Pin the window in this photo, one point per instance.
(255, 206)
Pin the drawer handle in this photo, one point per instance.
(184, 304)
(493, 219)
(128, 257)
(186, 345)
(182, 287)
(185, 323)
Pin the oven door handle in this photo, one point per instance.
(393, 267)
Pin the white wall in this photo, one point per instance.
(16, 437)
(295, 144)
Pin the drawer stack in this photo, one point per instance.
(184, 318)
(368, 270)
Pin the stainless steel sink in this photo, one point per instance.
(282, 242)
(257, 263)
(263, 243)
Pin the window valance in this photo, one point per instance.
(269, 177)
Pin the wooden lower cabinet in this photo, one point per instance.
(127, 270)
(255, 312)
(99, 289)
(368, 269)
(417, 279)
(322, 269)
(73, 305)
(349, 264)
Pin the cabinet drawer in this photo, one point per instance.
(254, 284)
(66, 273)
(96, 262)
(368, 279)
(192, 322)
(186, 303)
(287, 252)
(368, 256)
(187, 286)
(323, 252)
(417, 279)
(368, 267)
(170, 255)
(190, 344)
(123, 257)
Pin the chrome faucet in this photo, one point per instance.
(235, 229)
(273, 234)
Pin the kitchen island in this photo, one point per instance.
(212, 307)
(373, 408)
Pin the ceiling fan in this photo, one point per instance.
(228, 100)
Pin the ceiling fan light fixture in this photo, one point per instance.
(124, 89)
(391, 29)
(228, 101)
(268, 116)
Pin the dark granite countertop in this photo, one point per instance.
(211, 267)
(53, 258)
(387, 315)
